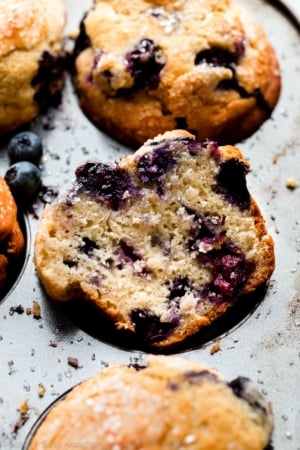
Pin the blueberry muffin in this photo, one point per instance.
(31, 70)
(206, 67)
(163, 241)
(168, 403)
(12, 241)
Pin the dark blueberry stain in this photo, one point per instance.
(173, 386)
(157, 240)
(179, 288)
(231, 183)
(243, 388)
(213, 149)
(211, 293)
(88, 246)
(149, 328)
(83, 41)
(269, 446)
(181, 122)
(145, 62)
(219, 57)
(196, 377)
(233, 84)
(95, 280)
(127, 252)
(152, 167)
(239, 49)
(207, 230)
(70, 263)
(230, 271)
(48, 79)
(112, 185)
(97, 56)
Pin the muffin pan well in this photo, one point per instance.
(46, 348)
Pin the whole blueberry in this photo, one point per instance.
(25, 146)
(24, 179)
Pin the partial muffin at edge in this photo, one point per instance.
(169, 402)
(31, 59)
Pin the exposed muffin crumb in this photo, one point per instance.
(163, 242)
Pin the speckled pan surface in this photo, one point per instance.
(42, 357)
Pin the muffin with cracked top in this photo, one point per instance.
(163, 241)
(31, 61)
(166, 403)
(207, 67)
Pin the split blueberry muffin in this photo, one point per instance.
(207, 67)
(168, 403)
(164, 241)
(31, 62)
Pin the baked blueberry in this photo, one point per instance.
(149, 327)
(217, 56)
(145, 62)
(88, 246)
(49, 80)
(207, 231)
(83, 41)
(231, 182)
(25, 146)
(244, 388)
(127, 253)
(152, 167)
(112, 185)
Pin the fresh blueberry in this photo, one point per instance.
(25, 180)
(25, 146)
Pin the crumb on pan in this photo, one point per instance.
(291, 183)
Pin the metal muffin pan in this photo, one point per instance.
(44, 355)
